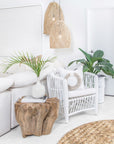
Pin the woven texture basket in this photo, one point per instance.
(100, 132)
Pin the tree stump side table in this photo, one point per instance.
(37, 118)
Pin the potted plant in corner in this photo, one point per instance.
(37, 64)
(96, 63)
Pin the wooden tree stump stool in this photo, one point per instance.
(37, 118)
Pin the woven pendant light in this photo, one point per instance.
(52, 16)
(60, 36)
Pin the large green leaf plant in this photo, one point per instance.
(35, 63)
(95, 63)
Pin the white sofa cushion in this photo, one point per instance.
(46, 71)
(5, 83)
(82, 92)
(4, 75)
(49, 68)
(23, 78)
(16, 68)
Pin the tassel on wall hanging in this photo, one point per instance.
(60, 35)
(52, 16)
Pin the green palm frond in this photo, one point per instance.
(35, 63)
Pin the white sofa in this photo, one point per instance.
(22, 86)
(12, 88)
(5, 110)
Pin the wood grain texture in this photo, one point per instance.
(52, 15)
(51, 116)
(60, 36)
(37, 118)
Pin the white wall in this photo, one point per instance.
(21, 30)
(75, 17)
(75, 13)
(101, 36)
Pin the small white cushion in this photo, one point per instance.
(46, 71)
(82, 92)
(49, 68)
(72, 81)
(5, 83)
(23, 79)
(58, 64)
(74, 78)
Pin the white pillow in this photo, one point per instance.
(58, 64)
(45, 72)
(23, 79)
(16, 68)
(49, 68)
(5, 83)
(74, 78)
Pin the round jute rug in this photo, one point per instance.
(99, 132)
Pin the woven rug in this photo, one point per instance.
(99, 132)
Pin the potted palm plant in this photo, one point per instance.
(96, 63)
(37, 64)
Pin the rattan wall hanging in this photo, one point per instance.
(51, 16)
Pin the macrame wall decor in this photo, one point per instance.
(52, 16)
